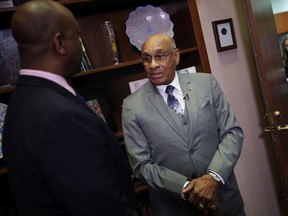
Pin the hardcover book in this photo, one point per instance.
(85, 63)
(96, 100)
(3, 109)
(95, 106)
(9, 59)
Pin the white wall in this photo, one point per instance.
(279, 6)
(236, 72)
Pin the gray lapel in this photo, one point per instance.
(157, 101)
(187, 87)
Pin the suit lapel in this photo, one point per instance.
(167, 113)
(190, 104)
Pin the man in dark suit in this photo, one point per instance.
(183, 144)
(62, 158)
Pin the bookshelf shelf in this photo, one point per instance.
(3, 170)
(7, 9)
(7, 89)
(110, 67)
(141, 188)
(125, 64)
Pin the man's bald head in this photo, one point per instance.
(35, 22)
(157, 39)
(47, 35)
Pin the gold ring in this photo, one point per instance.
(200, 206)
(213, 207)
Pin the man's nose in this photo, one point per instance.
(154, 63)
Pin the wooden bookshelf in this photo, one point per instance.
(141, 188)
(3, 170)
(112, 79)
(109, 77)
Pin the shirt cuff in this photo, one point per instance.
(182, 194)
(216, 176)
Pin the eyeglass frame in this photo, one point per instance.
(159, 57)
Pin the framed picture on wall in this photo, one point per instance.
(224, 34)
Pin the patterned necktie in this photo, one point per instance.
(172, 102)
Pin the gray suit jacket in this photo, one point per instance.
(164, 157)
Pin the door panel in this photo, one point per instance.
(273, 83)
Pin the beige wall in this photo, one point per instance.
(236, 72)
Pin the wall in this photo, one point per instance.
(279, 6)
(280, 10)
(236, 72)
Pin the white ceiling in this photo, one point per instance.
(279, 6)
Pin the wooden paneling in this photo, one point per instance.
(281, 21)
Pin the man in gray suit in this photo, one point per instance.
(186, 156)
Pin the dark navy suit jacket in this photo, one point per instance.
(62, 158)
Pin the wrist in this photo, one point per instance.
(215, 177)
(183, 196)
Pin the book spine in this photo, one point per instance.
(85, 58)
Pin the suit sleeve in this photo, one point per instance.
(230, 133)
(156, 176)
(79, 168)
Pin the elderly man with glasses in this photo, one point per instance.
(182, 137)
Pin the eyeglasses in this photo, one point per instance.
(160, 57)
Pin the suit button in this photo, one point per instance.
(191, 151)
(185, 123)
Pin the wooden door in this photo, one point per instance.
(272, 79)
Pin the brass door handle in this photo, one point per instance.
(279, 128)
(268, 129)
(282, 128)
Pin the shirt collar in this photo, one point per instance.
(175, 83)
(49, 76)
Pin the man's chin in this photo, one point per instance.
(156, 82)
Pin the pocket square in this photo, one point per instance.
(206, 102)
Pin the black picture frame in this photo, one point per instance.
(224, 34)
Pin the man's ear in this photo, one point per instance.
(59, 43)
(177, 56)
